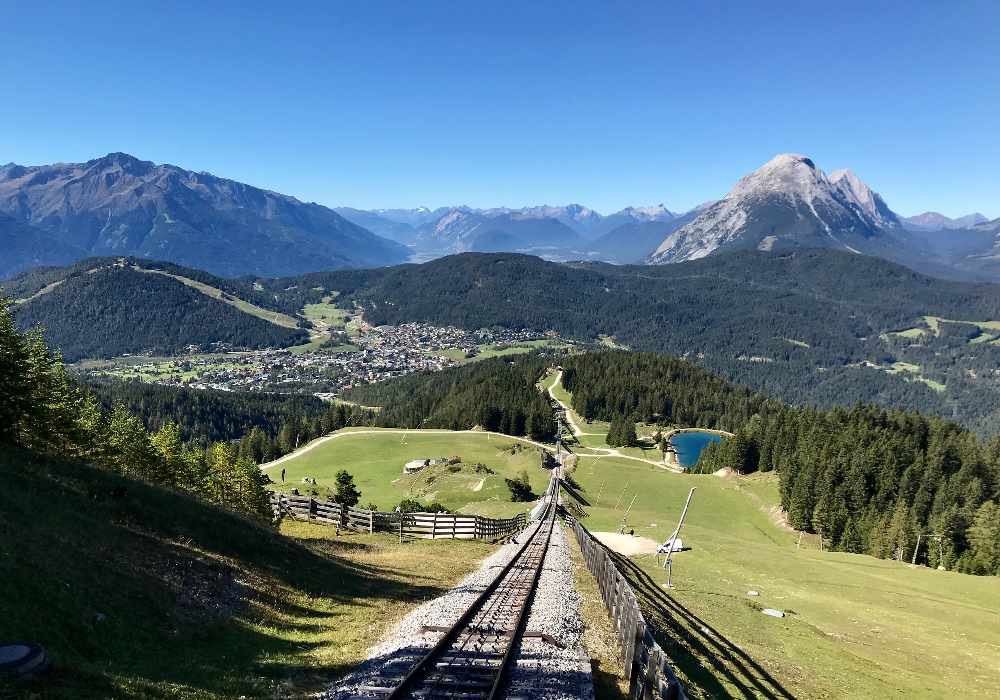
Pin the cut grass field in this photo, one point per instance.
(376, 457)
(150, 593)
(855, 627)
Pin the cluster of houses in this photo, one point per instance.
(378, 353)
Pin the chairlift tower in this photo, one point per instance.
(668, 562)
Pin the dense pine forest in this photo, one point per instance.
(42, 410)
(651, 388)
(872, 480)
(867, 479)
(115, 311)
(204, 415)
(493, 394)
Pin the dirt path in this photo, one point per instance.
(573, 425)
(604, 451)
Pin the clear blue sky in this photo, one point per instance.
(374, 104)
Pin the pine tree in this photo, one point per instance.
(984, 538)
(129, 450)
(621, 432)
(15, 394)
(347, 493)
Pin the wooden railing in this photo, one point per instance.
(646, 664)
(421, 525)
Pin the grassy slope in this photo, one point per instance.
(861, 627)
(154, 594)
(376, 461)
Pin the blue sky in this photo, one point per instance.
(374, 104)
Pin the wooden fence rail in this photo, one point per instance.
(421, 525)
(646, 665)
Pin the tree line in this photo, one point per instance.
(494, 394)
(267, 425)
(870, 480)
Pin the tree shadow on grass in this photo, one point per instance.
(574, 492)
(700, 651)
(153, 593)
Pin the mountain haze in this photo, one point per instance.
(933, 221)
(120, 205)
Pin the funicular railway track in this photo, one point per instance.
(472, 658)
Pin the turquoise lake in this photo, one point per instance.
(689, 446)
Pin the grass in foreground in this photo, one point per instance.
(150, 593)
(855, 627)
(376, 457)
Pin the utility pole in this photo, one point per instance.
(621, 530)
(916, 549)
(668, 563)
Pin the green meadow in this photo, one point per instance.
(376, 457)
(855, 626)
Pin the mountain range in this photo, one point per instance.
(570, 232)
(120, 205)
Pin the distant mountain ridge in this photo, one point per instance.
(565, 232)
(933, 221)
(120, 205)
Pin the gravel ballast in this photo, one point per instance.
(555, 667)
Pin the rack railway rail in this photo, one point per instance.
(472, 658)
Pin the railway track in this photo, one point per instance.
(472, 658)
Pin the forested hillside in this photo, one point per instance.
(811, 326)
(867, 479)
(110, 310)
(493, 394)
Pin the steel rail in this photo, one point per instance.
(421, 671)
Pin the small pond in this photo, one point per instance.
(690, 444)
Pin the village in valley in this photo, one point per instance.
(337, 359)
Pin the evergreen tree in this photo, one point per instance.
(984, 540)
(347, 493)
(621, 433)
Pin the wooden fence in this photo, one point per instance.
(422, 525)
(646, 666)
